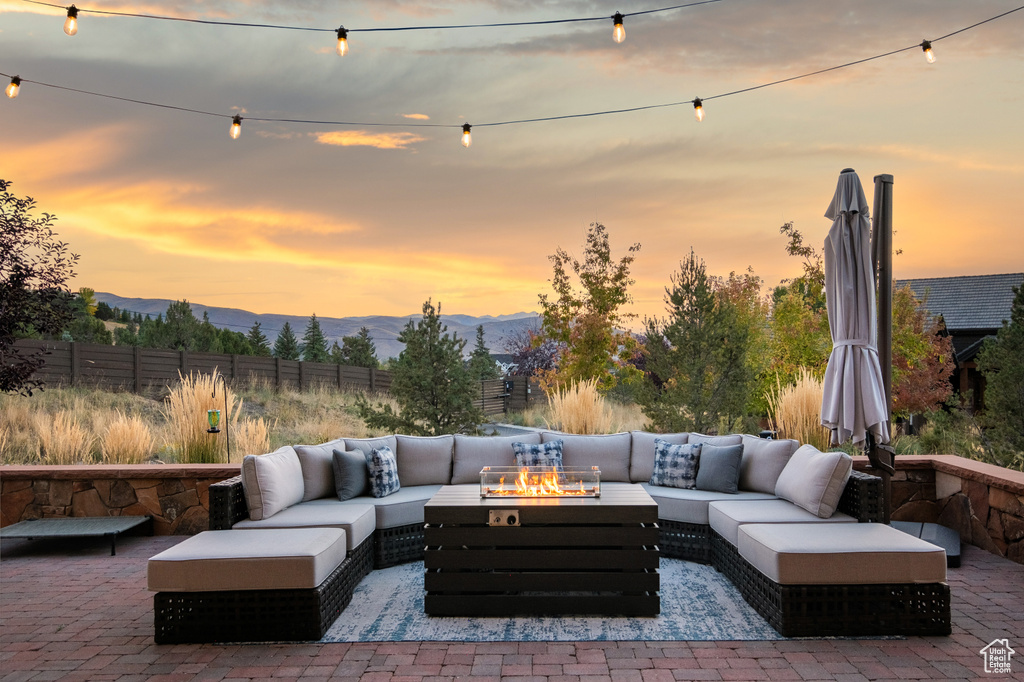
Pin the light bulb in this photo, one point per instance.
(698, 109)
(236, 127)
(71, 23)
(467, 139)
(929, 53)
(619, 32)
(12, 89)
(342, 41)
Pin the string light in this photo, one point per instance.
(236, 124)
(619, 32)
(342, 41)
(71, 23)
(929, 53)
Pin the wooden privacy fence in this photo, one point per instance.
(139, 369)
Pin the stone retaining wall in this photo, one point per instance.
(176, 496)
(982, 502)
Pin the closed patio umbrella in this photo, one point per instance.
(854, 404)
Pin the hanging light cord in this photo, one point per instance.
(369, 30)
(517, 121)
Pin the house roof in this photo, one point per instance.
(971, 302)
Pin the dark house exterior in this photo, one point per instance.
(973, 308)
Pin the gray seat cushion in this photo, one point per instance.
(357, 520)
(690, 505)
(219, 560)
(725, 518)
(840, 554)
(401, 508)
(608, 453)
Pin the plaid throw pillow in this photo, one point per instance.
(545, 455)
(383, 470)
(675, 466)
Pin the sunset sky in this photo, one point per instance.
(360, 220)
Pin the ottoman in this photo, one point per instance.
(254, 585)
(843, 579)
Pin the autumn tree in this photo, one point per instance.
(286, 346)
(922, 357)
(532, 354)
(34, 297)
(429, 381)
(481, 367)
(585, 318)
(1001, 361)
(698, 373)
(743, 291)
(314, 343)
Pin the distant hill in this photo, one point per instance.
(384, 329)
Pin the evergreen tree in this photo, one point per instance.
(481, 366)
(430, 383)
(181, 327)
(314, 343)
(359, 350)
(286, 346)
(234, 343)
(104, 311)
(127, 335)
(697, 358)
(337, 356)
(207, 338)
(1001, 361)
(258, 340)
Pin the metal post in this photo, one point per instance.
(881, 242)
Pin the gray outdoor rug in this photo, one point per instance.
(697, 603)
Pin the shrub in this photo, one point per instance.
(127, 440)
(795, 410)
(251, 436)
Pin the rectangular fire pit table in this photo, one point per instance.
(541, 556)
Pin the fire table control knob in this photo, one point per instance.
(503, 517)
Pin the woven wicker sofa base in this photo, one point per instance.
(400, 545)
(688, 541)
(260, 615)
(837, 610)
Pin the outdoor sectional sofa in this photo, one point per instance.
(801, 574)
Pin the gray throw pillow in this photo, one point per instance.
(719, 468)
(350, 474)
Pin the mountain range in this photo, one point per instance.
(384, 329)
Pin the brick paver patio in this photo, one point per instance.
(72, 612)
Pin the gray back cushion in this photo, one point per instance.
(763, 461)
(641, 460)
(317, 469)
(731, 439)
(814, 480)
(271, 482)
(473, 453)
(368, 445)
(719, 468)
(609, 453)
(424, 460)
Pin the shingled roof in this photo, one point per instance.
(968, 303)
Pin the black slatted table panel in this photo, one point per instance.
(566, 556)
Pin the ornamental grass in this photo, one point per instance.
(794, 411)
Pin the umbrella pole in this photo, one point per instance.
(881, 238)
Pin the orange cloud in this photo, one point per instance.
(418, 117)
(362, 138)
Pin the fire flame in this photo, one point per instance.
(539, 485)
